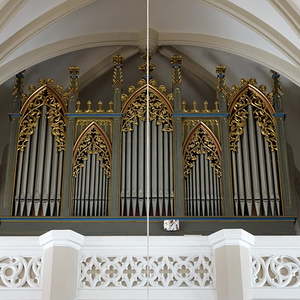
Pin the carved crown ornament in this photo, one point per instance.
(92, 140)
(134, 106)
(201, 140)
(49, 95)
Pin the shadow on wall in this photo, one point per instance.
(295, 186)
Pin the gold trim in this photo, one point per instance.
(201, 140)
(92, 140)
(135, 108)
(31, 112)
(262, 111)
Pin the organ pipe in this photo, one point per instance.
(254, 155)
(134, 139)
(202, 172)
(91, 172)
(40, 141)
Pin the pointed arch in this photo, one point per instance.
(31, 112)
(92, 140)
(49, 90)
(135, 107)
(201, 140)
(263, 111)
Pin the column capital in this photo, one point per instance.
(231, 237)
(62, 238)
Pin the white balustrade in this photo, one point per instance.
(177, 267)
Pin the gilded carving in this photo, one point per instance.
(136, 107)
(117, 73)
(32, 110)
(201, 141)
(92, 141)
(176, 61)
(262, 112)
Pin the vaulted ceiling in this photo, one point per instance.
(265, 31)
(250, 37)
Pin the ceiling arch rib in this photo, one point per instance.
(191, 66)
(252, 21)
(8, 9)
(104, 65)
(290, 12)
(39, 23)
(192, 17)
(165, 39)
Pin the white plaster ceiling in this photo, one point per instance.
(261, 30)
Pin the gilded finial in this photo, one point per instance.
(118, 71)
(221, 71)
(143, 67)
(277, 91)
(205, 106)
(184, 108)
(74, 76)
(217, 108)
(195, 109)
(276, 82)
(89, 107)
(18, 89)
(176, 61)
(111, 107)
(100, 107)
(78, 104)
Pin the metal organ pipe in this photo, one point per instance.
(134, 171)
(37, 186)
(255, 172)
(47, 171)
(202, 189)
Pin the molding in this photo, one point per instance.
(39, 24)
(277, 39)
(143, 293)
(165, 39)
(231, 237)
(245, 50)
(290, 13)
(62, 238)
(274, 293)
(8, 10)
(66, 46)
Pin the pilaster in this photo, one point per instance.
(8, 194)
(66, 206)
(60, 264)
(179, 210)
(227, 206)
(285, 183)
(116, 138)
(231, 250)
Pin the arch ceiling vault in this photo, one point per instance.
(250, 37)
(263, 31)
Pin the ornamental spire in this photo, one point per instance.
(143, 67)
(118, 71)
(176, 61)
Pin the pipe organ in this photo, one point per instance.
(253, 145)
(147, 124)
(202, 171)
(40, 154)
(136, 129)
(91, 171)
